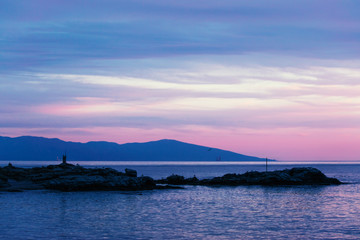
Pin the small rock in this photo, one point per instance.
(130, 172)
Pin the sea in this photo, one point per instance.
(195, 212)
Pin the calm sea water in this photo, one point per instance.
(197, 212)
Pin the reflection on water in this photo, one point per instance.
(197, 212)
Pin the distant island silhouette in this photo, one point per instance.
(47, 149)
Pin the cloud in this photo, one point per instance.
(165, 69)
(213, 95)
(41, 34)
(115, 10)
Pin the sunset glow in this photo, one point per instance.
(283, 84)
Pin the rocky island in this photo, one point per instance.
(294, 176)
(69, 177)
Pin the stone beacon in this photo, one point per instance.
(64, 158)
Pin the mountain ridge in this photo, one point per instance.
(46, 149)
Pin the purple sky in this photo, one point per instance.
(277, 79)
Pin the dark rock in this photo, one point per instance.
(3, 181)
(14, 172)
(68, 177)
(100, 183)
(294, 176)
(175, 179)
(130, 172)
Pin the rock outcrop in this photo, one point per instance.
(3, 181)
(68, 177)
(294, 176)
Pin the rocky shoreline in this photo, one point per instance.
(69, 177)
(294, 176)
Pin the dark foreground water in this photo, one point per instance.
(197, 212)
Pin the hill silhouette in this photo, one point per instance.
(48, 149)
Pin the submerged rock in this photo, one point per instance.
(294, 176)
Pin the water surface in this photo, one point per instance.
(197, 212)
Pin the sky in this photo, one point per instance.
(267, 78)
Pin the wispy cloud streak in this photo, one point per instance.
(272, 78)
